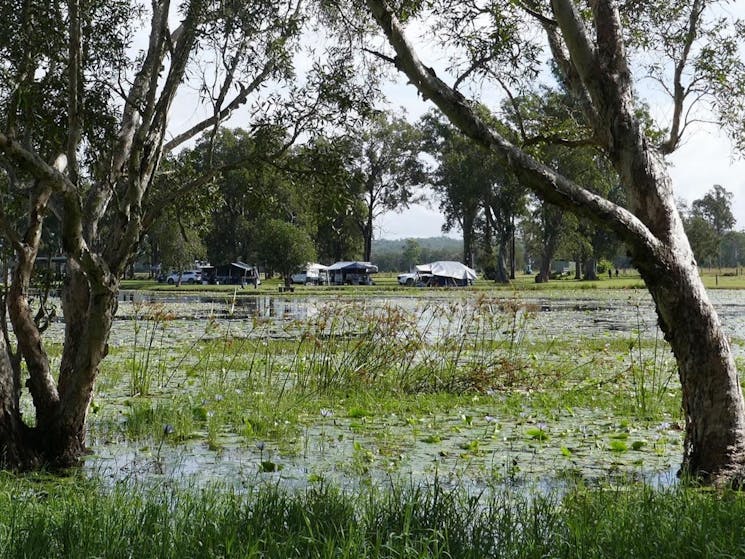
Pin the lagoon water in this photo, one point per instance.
(462, 445)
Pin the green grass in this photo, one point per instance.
(75, 518)
(713, 278)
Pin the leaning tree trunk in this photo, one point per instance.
(714, 448)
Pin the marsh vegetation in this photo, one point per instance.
(441, 425)
(483, 390)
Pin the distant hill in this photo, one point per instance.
(428, 243)
(389, 254)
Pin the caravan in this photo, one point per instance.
(313, 274)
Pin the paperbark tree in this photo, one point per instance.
(475, 191)
(386, 167)
(590, 51)
(83, 131)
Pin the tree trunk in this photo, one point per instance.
(544, 270)
(367, 233)
(513, 256)
(18, 449)
(57, 440)
(590, 268)
(501, 275)
(714, 448)
(468, 239)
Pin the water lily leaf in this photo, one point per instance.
(537, 434)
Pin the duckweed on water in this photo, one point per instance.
(471, 388)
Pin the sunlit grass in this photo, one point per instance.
(77, 518)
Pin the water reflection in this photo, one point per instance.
(220, 306)
(574, 315)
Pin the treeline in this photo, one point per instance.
(709, 223)
(400, 255)
(280, 205)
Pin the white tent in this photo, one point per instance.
(448, 269)
(316, 271)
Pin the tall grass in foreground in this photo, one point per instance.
(81, 519)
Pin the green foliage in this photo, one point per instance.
(283, 247)
(716, 209)
(710, 218)
(399, 255)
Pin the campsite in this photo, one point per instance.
(372, 279)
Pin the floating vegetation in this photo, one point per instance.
(475, 388)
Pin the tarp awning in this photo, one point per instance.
(448, 269)
(242, 266)
(314, 266)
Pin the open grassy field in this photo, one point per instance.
(714, 278)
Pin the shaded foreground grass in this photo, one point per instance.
(83, 519)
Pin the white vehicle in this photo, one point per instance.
(407, 279)
(300, 277)
(314, 274)
(187, 276)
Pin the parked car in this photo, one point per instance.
(407, 279)
(187, 276)
(312, 274)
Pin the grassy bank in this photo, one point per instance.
(81, 519)
(726, 278)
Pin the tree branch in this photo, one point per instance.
(559, 141)
(533, 12)
(135, 102)
(540, 178)
(34, 165)
(475, 66)
(679, 92)
(571, 77)
(74, 86)
(223, 114)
